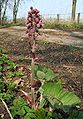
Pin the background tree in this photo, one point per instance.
(4, 11)
(0, 11)
(15, 9)
(3, 8)
(74, 9)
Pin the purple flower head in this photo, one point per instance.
(34, 23)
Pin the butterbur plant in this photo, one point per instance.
(51, 90)
(34, 23)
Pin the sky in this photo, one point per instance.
(49, 7)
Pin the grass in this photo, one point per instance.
(20, 22)
(8, 25)
(62, 25)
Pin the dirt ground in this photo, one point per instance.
(61, 51)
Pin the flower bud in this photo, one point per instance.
(29, 19)
(37, 20)
(38, 25)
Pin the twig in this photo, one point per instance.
(7, 108)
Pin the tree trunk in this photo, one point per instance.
(74, 9)
(15, 10)
(5, 8)
(0, 11)
(1, 7)
(14, 17)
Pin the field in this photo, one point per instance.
(61, 51)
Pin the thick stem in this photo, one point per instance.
(32, 78)
(33, 75)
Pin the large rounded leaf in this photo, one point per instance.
(55, 93)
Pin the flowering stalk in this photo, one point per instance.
(34, 23)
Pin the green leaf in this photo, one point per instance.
(49, 75)
(1, 75)
(19, 102)
(7, 97)
(1, 68)
(44, 73)
(11, 86)
(19, 73)
(40, 75)
(2, 85)
(11, 74)
(30, 115)
(42, 114)
(11, 65)
(4, 57)
(18, 107)
(42, 103)
(13, 111)
(81, 115)
(27, 109)
(44, 69)
(75, 114)
(21, 112)
(1, 62)
(55, 94)
(27, 116)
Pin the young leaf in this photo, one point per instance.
(40, 75)
(49, 75)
